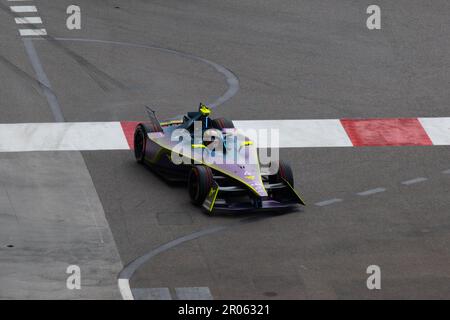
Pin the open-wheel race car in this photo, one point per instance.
(233, 181)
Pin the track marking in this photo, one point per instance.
(386, 132)
(438, 129)
(128, 131)
(42, 78)
(371, 191)
(32, 32)
(62, 137)
(128, 271)
(326, 132)
(193, 293)
(28, 20)
(446, 171)
(151, 294)
(231, 79)
(58, 116)
(414, 181)
(328, 202)
(17, 137)
(125, 291)
(22, 9)
(302, 133)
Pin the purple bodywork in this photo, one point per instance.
(250, 188)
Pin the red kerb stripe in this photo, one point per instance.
(386, 132)
(128, 129)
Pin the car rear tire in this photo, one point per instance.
(222, 123)
(284, 173)
(139, 143)
(200, 182)
(140, 139)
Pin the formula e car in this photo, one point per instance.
(226, 177)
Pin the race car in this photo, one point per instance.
(231, 182)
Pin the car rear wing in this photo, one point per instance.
(152, 115)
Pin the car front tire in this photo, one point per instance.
(284, 173)
(200, 182)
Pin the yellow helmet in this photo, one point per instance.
(204, 109)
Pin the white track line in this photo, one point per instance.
(438, 129)
(125, 290)
(328, 202)
(33, 32)
(371, 191)
(292, 134)
(446, 171)
(62, 137)
(414, 181)
(302, 133)
(28, 20)
(21, 9)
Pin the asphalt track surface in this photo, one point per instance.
(294, 60)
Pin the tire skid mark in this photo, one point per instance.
(24, 75)
(230, 77)
(104, 80)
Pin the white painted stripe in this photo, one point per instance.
(413, 181)
(371, 191)
(193, 293)
(28, 20)
(32, 32)
(438, 129)
(23, 9)
(302, 133)
(125, 291)
(151, 294)
(110, 136)
(446, 171)
(328, 202)
(62, 136)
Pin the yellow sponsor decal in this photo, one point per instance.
(168, 123)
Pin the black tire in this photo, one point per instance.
(200, 182)
(284, 173)
(139, 143)
(140, 139)
(222, 123)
